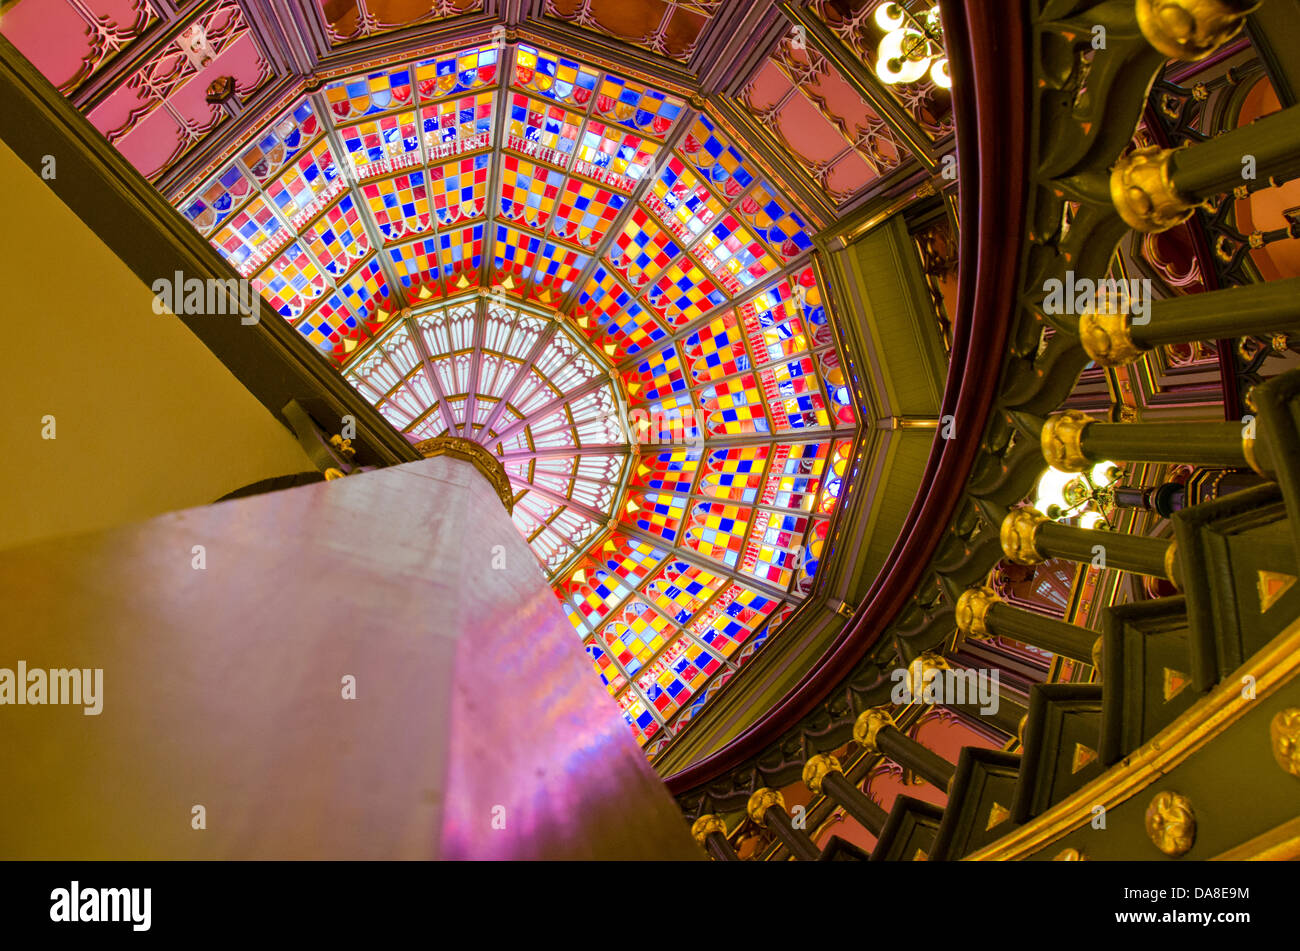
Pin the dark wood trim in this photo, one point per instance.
(151, 238)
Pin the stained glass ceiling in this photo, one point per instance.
(590, 278)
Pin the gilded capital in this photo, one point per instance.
(1062, 439)
(1171, 565)
(1191, 29)
(1284, 739)
(1170, 823)
(922, 670)
(972, 607)
(869, 725)
(1142, 190)
(763, 800)
(817, 768)
(1020, 535)
(705, 826)
(1252, 458)
(478, 455)
(1108, 338)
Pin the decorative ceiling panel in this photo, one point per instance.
(902, 44)
(813, 114)
(350, 20)
(70, 41)
(660, 26)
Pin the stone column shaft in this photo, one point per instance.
(1260, 309)
(1137, 553)
(855, 802)
(1029, 537)
(1047, 633)
(905, 751)
(797, 841)
(1197, 443)
(1215, 166)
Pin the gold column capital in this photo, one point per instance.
(1170, 822)
(920, 669)
(1142, 190)
(1108, 338)
(475, 453)
(763, 800)
(972, 607)
(1284, 739)
(1172, 571)
(869, 725)
(818, 768)
(1020, 536)
(1248, 445)
(1062, 440)
(705, 826)
(1191, 29)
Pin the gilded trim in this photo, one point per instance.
(1275, 845)
(478, 455)
(1273, 666)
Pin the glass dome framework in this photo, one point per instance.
(588, 276)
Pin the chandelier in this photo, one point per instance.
(1083, 496)
(911, 47)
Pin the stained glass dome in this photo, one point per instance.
(588, 276)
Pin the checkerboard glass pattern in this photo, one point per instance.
(597, 283)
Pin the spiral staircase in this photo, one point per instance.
(1160, 717)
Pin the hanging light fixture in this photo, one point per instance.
(1083, 496)
(911, 47)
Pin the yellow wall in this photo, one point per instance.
(147, 419)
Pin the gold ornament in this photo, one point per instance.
(763, 800)
(1284, 737)
(972, 608)
(705, 825)
(467, 450)
(1170, 823)
(1191, 29)
(1020, 535)
(1070, 855)
(344, 446)
(1171, 565)
(869, 725)
(817, 768)
(1108, 338)
(921, 671)
(1143, 192)
(1062, 439)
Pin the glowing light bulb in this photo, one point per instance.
(889, 17)
(1105, 472)
(939, 74)
(1051, 490)
(1092, 520)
